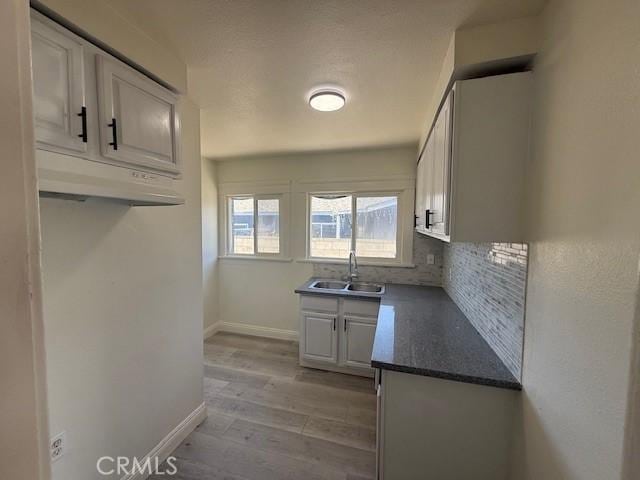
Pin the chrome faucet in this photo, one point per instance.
(353, 266)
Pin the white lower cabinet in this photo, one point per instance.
(432, 428)
(334, 338)
(358, 341)
(319, 331)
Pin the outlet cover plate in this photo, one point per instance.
(58, 446)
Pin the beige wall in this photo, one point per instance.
(256, 296)
(24, 451)
(585, 241)
(209, 244)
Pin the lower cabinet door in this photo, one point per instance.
(358, 341)
(320, 337)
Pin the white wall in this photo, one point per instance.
(585, 241)
(24, 453)
(209, 245)
(256, 296)
(123, 318)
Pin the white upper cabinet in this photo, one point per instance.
(471, 181)
(138, 120)
(102, 128)
(441, 159)
(59, 90)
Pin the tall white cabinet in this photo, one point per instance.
(102, 128)
(470, 174)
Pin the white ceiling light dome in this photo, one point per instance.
(327, 100)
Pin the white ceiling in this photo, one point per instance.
(252, 64)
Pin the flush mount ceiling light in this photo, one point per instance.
(327, 100)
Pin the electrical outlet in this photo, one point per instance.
(431, 259)
(58, 446)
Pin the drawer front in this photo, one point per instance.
(367, 308)
(317, 303)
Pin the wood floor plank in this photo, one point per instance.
(262, 362)
(215, 424)
(250, 463)
(234, 375)
(271, 419)
(188, 470)
(365, 400)
(257, 413)
(360, 416)
(323, 452)
(339, 432)
(348, 382)
(321, 406)
(213, 352)
(211, 386)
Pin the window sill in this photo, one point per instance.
(258, 258)
(362, 263)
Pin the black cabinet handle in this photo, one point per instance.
(415, 220)
(334, 323)
(345, 324)
(114, 133)
(83, 116)
(428, 218)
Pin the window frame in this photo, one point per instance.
(282, 226)
(355, 194)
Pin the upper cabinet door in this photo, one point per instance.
(58, 87)
(423, 185)
(441, 169)
(139, 124)
(420, 193)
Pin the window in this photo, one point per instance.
(366, 223)
(254, 226)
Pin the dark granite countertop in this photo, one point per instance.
(423, 332)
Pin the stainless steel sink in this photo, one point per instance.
(338, 285)
(329, 285)
(365, 287)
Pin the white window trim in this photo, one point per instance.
(404, 228)
(226, 231)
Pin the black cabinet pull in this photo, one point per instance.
(428, 218)
(114, 133)
(83, 116)
(334, 323)
(345, 324)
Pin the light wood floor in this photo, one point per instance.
(272, 419)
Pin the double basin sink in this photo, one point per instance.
(338, 285)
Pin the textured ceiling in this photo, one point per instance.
(252, 64)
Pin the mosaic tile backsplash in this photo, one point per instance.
(488, 282)
(421, 274)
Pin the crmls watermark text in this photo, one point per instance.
(133, 466)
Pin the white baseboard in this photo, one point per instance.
(257, 331)
(211, 330)
(169, 443)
